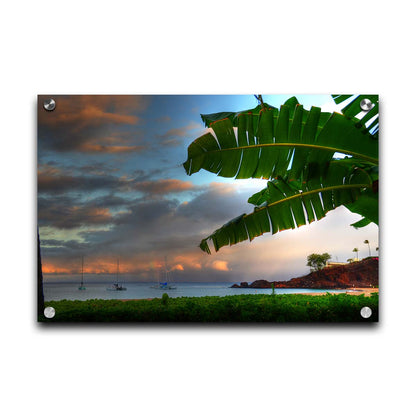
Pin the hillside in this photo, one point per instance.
(363, 273)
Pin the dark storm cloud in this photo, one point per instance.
(167, 224)
(62, 216)
(147, 230)
(68, 212)
(142, 225)
(53, 181)
(219, 203)
(58, 183)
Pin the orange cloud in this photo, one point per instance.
(177, 267)
(164, 186)
(48, 268)
(47, 170)
(220, 265)
(82, 111)
(81, 120)
(190, 261)
(222, 188)
(99, 148)
(91, 266)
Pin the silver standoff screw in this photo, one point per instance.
(49, 312)
(49, 104)
(366, 104)
(366, 312)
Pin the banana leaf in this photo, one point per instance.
(353, 108)
(266, 142)
(287, 204)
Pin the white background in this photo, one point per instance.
(199, 47)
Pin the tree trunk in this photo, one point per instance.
(40, 283)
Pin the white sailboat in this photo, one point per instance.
(81, 286)
(117, 285)
(165, 285)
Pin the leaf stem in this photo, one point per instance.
(311, 146)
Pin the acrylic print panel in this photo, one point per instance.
(214, 208)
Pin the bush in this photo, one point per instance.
(165, 298)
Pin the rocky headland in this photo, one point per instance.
(361, 274)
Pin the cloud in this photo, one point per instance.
(177, 267)
(71, 212)
(99, 148)
(79, 122)
(220, 265)
(164, 186)
(145, 231)
(78, 111)
(62, 217)
(55, 181)
(216, 206)
(181, 131)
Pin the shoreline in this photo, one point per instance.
(354, 291)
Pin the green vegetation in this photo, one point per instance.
(238, 308)
(369, 249)
(298, 152)
(355, 250)
(317, 261)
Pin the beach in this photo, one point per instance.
(356, 291)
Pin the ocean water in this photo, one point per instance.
(143, 290)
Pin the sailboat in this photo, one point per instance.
(81, 286)
(166, 285)
(117, 285)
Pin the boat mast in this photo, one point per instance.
(117, 273)
(82, 271)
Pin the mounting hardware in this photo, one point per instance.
(49, 104)
(366, 104)
(49, 312)
(366, 312)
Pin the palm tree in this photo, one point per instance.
(369, 251)
(295, 149)
(355, 250)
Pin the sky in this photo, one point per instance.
(111, 186)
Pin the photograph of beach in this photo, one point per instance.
(208, 208)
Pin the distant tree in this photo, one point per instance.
(355, 250)
(369, 251)
(350, 260)
(317, 261)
